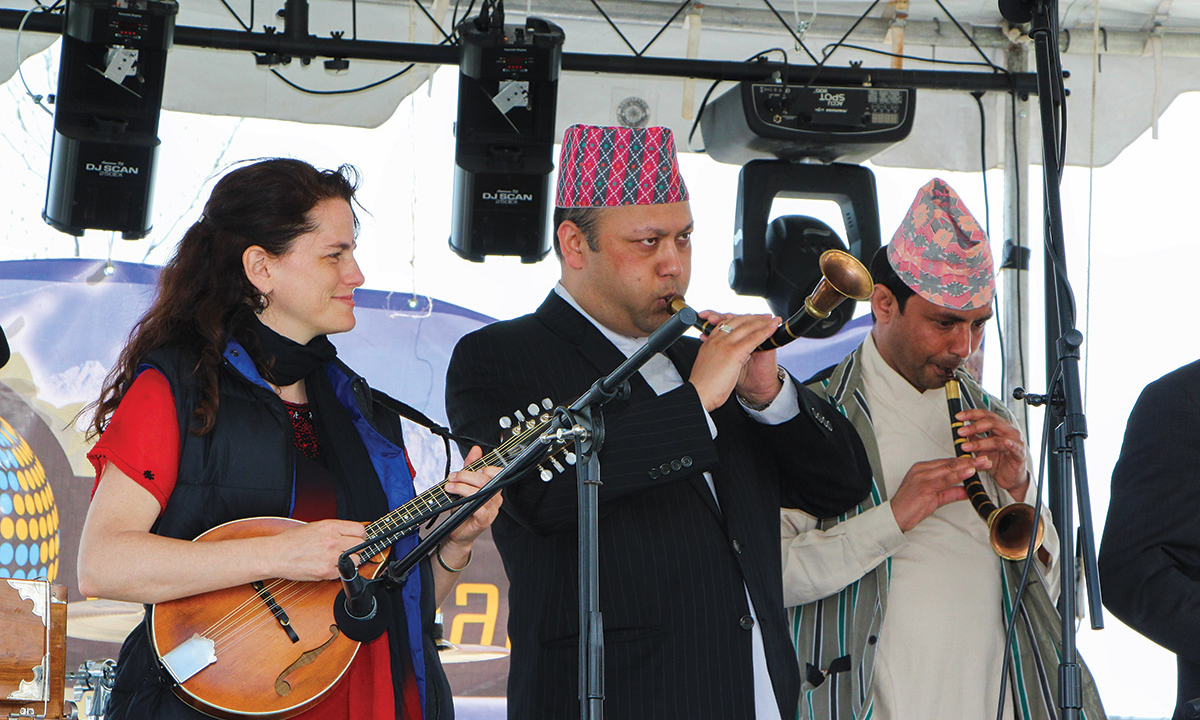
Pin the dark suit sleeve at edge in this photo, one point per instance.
(824, 471)
(1150, 553)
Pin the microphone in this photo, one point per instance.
(359, 612)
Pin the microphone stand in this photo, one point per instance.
(586, 422)
(1064, 401)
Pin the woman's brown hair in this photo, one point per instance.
(204, 297)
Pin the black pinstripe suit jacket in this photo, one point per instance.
(1150, 552)
(672, 564)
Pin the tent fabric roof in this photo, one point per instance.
(1148, 55)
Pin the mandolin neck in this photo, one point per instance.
(435, 499)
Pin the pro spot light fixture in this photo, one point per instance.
(791, 141)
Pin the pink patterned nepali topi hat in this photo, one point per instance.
(611, 166)
(940, 251)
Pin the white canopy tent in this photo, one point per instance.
(1146, 54)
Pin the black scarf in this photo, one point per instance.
(360, 494)
(288, 360)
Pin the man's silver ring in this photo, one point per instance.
(725, 328)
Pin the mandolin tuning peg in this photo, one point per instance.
(545, 474)
(570, 458)
(557, 465)
(505, 423)
(546, 403)
(533, 410)
(520, 418)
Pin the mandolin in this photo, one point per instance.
(270, 649)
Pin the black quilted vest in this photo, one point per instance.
(243, 468)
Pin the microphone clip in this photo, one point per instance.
(361, 613)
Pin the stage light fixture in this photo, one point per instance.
(504, 136)
(792, 141)
(105, 142)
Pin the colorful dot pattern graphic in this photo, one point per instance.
(28, 516)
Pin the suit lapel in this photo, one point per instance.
(565, 321)
(682, 358)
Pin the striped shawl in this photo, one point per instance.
(836, 637)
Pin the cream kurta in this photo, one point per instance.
(941, 642)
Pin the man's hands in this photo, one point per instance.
(1003, 447)
(933, 483)
(727, 360)
(930, 484)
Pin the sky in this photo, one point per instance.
(1129, 245)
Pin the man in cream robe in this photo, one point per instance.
(899, 607)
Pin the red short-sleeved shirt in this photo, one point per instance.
(142, 437)
(142, 440)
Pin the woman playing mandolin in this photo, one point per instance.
(227, 403)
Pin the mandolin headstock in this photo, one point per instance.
(528, 425)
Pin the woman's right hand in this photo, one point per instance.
(310, 551)
(120, 559)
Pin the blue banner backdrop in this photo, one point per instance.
(66, 321)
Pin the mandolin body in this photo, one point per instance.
(259, 671)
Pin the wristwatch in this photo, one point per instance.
(782, 374)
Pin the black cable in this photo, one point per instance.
(841, 40)
(916, 58)
(346, 91)
(353, 19)
(236, 16)
(666, 25)
(436, 24)
(1012, 98)
(987, 225)
(1058, 102)
(361, 88)
(781, 51)
(700, 114)
(454, 15)
(456, 21)
(498, 14)
(1010, 622)
(967, 35)
(613, 25)
(987, 229)
(790, 29)
(715, 83)
(37, 99)
(987, 210)
(1060, 94)
(1000, 339)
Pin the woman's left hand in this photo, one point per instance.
(467, 482)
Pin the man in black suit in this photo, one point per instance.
(694, 472)
(1150, 553)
